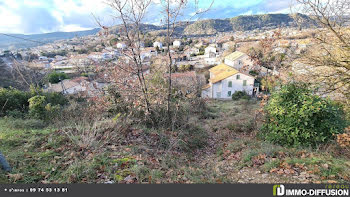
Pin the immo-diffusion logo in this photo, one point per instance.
(280, 190)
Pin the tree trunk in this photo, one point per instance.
(169, 68)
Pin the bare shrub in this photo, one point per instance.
(343, 141)
(77, 112)
(86, 125)
(95, 135)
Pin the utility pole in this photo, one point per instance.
(62, 85)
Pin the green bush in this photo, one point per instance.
(16, 114)
(240, 95)
(56, 77)
(184, 68)
(53, 54)
(297, 117)
(37, 107)
(12, 99)
(15, 103)
(84, 74)
(40, 109)
(253, 73)
(55, 98)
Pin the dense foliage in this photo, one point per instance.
(18, 103)
(297, 117)
(185, 68)
(37, 107)
(12, 99)
(240, 95)
(54, 54)
(56, 77)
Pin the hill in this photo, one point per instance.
(238, 23)
(14, 40)
(208, 27)
(245, 23)
(202, 27)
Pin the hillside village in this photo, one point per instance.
(82, 56)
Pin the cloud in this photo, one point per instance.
(38, 16)
(38, 20)
(41, 16)
(275, 6)
(73, 27)
(232, 8)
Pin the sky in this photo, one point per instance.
(43, 16)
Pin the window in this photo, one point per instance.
(229, 93)
(244, 82)
(230, 84)
(238, 77)
(218, 94)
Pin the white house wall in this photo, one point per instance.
(239, 62)
(210, 61)
(206, 93)
(221, 88)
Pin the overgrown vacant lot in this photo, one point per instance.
(226, 148)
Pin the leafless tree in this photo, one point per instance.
(330, 54)
(131, 15)
(172, 11)
(25, 77)
(329, 14)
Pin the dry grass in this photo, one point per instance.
(211, 150)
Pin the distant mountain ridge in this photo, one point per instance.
(246, 23)
(238, 23)
(191, 28)
(7, 42)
